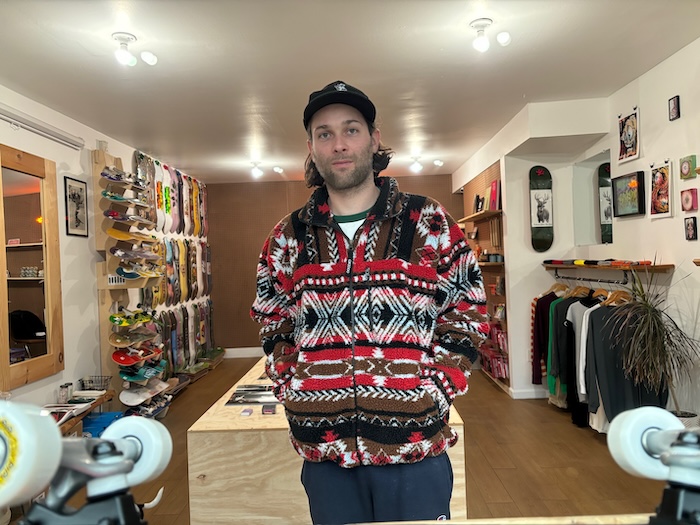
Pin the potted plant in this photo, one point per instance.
(656, 351)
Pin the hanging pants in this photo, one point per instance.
(416, 491)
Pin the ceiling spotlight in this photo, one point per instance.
(481, 42)
(256, 172)
(149, 58)
(277, 169)
(416, 167)
(123, 55)
(503, 38)
(438, 163)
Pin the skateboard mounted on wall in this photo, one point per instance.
(541, 216)
(606, 205)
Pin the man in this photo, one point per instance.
(372, 307)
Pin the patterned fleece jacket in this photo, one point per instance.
(368, 341)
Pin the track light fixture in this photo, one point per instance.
(125, 57)
(482, 43)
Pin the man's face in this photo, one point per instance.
(341, 146)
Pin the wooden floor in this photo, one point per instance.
(524, 458)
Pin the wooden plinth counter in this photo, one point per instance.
(244, 470)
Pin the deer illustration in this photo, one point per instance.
(542, 212)
(607, 212)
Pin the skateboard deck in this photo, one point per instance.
(167, 203)
(143, 373)
(128, 339)
(606, 206)
(195, 208)
(122, 178)
(205, 219)
(541, 208)
(132, 356)
(174, 201)
(133, 255)
(133, 237)
(140, 394)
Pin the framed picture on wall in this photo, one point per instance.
(689, 199)
(674, 108)
(691, 228)
(628, 194)
(629, 136)
(660, 202)
(76, 207)
(688, 165)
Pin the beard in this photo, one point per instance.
(344, 180)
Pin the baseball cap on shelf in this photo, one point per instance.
(339, 92)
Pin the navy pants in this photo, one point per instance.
(417, 491)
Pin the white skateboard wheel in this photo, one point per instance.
(30, 452)
(626, 440)
(155, 442)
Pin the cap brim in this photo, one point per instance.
(362, 104)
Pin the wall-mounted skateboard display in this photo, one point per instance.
(606, 203)
(541, 209)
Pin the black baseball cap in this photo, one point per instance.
(339, 92)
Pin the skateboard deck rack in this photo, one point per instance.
(119, 188)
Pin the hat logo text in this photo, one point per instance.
(340, 87)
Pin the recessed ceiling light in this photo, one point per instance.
(277, 169)
(438, 163)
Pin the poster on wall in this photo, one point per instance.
(76, 207)
(660, 202)
(629, 136)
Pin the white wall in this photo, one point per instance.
(633, 238)
(78, 254)
(660, 139)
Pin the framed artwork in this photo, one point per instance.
(689, 199)
(674, 108)
(660, 202)
(629, 136)
(76, 207)
(628, 194)
(691, 228)
(688, 165)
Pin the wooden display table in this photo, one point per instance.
(70, 425)
(244, 469)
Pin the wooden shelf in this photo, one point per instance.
(481, 216)
(66, 427)
(26, 245)
(35, 279)
(696, 262)
(652, 268)
(492, 264)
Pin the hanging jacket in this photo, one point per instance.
(368, 341)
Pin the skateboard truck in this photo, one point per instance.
(132, 450)
(651, 442)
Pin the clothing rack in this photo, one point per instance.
(625, 280)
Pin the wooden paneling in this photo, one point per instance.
(241, 217)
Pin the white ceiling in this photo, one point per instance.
(234, 76)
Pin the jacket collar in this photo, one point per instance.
(318, 212)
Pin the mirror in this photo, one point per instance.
(32, 327)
